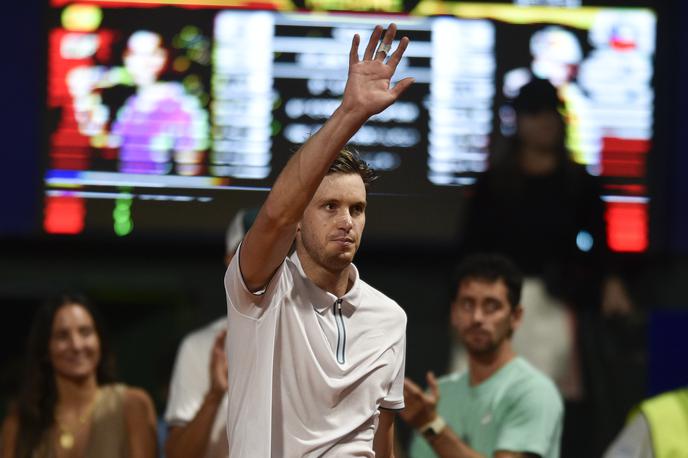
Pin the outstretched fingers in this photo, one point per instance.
(386, 45)
(411, 389)
(395, 58)
(372, 43)
(353, 53)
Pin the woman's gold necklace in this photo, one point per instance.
(68, 437)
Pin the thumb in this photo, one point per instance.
(401, 86)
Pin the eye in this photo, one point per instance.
(330, 206)
(86, 331)
(357, 210)
(61, 335)
(492, 305)
(465, 305)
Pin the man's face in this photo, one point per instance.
(482, 315)
(332, 225)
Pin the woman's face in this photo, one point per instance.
(74, 347)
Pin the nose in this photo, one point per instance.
(76, 341)
(477, 314)
(344, 220)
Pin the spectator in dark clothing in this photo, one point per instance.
(543, 210)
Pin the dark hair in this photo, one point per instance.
(36, 403)
(491, 267)
(536, 96)
(349, 161)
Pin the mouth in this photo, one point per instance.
(479, 333)
(344, 242)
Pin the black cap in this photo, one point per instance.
(536, 96)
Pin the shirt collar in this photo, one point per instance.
(323, 300)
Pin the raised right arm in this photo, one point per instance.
(367, 92)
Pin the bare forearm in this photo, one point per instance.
(192, 438)
(300, 178)
(271, 236)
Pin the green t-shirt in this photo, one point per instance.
(517, 409)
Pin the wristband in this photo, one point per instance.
(433, 428)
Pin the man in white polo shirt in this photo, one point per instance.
(316, 355)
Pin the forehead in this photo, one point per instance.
(72, 315)
(480, 287)
(341, 187)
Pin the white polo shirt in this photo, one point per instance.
(308, 371)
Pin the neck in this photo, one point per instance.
(332, 281)
(76, 392)
(537, 161)
(483, 366)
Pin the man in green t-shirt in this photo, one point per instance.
(502, 406)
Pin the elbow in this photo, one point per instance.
(279, 217)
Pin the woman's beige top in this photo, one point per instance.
(108, 436)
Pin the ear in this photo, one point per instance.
(516, 317)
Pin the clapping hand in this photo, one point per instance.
(421, 406)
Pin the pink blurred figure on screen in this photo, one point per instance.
(158, 125)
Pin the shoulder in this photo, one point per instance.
(10, 425)
(136, 401)
(10, 431)
(394, 313)
(453, 378)
(455, 382)
(528, 384)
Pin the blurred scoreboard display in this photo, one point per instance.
(164, 117)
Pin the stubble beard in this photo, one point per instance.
(489, 347)
(332, 263)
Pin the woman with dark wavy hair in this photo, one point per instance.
(69, 405)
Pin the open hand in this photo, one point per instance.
(421, 407)
(368, 89)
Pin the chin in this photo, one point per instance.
(340, 261)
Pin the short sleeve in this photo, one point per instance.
(395, 398)
(190, 381)
(532, 422)
(247, 303)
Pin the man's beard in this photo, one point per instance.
(331, 263)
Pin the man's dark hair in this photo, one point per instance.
(536, 96)
(491, 267)
(349, 161)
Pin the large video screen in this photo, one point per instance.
(167, 118)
